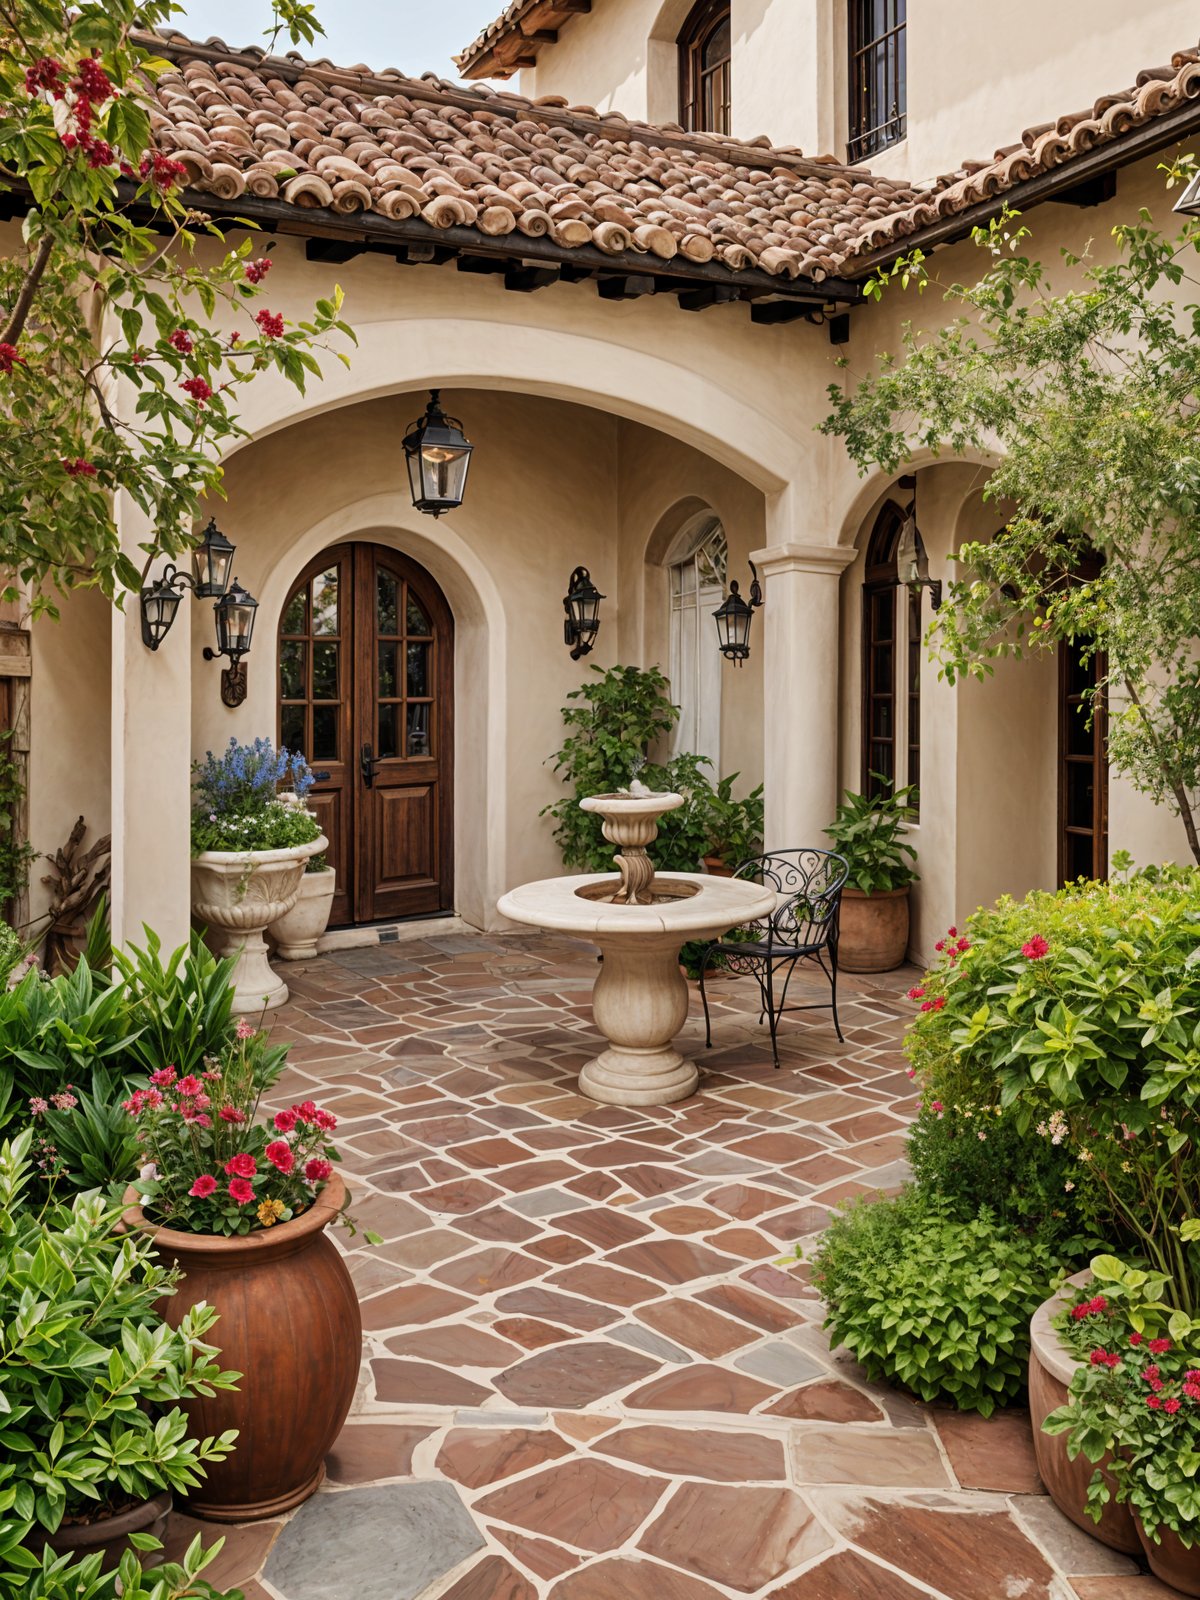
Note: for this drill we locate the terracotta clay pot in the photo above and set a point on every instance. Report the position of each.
(717, 867)
(296, 932)
(1170, 1561)
(873, 930)
(289, 1322)
(1050, 1371)
(110, 1535)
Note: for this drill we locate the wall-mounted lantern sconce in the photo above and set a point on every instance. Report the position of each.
(235, 612)
(438, 454)
(1188, 204)
(734, 617)
(582, 605)
(912, 559)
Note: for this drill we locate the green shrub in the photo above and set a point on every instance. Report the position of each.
(868, 832)
(12, 948)
(1076, 1013)
(937, 1305)
(90, 1373)
(62, 1578)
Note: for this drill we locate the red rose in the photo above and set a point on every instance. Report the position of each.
(325, 1120)
(243, 1165)
(204, 1185)
(317, 1170)
(240, 1191)
(285, 1121)
(306, 1111)
(279, 1154)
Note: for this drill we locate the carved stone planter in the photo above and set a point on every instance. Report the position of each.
(237, 895)
(296, 932)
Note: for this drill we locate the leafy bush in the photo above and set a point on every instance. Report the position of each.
(1077, 1012)
(12, 948)
(91, 1375)
(237, 803)
(62, 1578)
(735, 827)
(867, 830)
(935, 1304)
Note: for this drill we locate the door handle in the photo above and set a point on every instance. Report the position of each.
(366, 762)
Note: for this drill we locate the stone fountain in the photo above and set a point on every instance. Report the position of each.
(640, 922)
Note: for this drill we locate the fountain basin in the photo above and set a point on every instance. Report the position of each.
(640, 1000)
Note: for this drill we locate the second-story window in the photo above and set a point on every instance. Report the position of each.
(878, 72)
(705, 44)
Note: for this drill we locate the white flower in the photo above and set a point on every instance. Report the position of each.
(148, 1173)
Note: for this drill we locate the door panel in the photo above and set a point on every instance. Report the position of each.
(366, 675)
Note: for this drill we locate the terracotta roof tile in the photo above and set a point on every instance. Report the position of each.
(351, 140)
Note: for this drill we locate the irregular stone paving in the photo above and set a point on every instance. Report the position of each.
(593, 1364)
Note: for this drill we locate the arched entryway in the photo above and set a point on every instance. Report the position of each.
(366, 692)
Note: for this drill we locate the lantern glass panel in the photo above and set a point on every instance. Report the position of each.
(444, 472)
(159, 604)
(211, 561)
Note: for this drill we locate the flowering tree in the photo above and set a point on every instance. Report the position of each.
(112, 373)
(1088, 395)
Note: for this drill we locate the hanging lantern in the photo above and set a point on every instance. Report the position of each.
(912, 559)
(159, 603)
(437, 454)
(235, 622)
(733, 619)
(582, 606)
(211, 562)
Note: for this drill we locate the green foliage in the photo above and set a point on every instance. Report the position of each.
(91, 1376)
(869, 832)
(12, 949)
(108, 293)
(15, 853)
(318, 863)
(277, 826)
(1083, 393)
(938, 1305)
(1135, 1403)
(1079, 1014)
(62, 1578)
(735, 827)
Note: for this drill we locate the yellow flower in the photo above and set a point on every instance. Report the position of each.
(269, 1212)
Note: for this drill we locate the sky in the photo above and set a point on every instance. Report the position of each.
(413, 35)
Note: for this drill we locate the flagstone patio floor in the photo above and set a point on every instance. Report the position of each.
(593, 1365)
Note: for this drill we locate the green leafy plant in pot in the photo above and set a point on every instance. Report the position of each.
(735, 827)
(868, 831)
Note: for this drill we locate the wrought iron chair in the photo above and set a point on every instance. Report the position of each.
(803, 927)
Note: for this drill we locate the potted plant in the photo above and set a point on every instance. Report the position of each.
(1133, 1413)
(296, 932)
(868, 831)
(241, 1208)
(249, 849)
(93, 1439)
(735, 828)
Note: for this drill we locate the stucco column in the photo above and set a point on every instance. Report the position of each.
(800, 689)
(151, 764)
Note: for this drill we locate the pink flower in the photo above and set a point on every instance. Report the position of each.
(279, 1154)
(189, 1085)
(936, 1105)
(231, 1114)
(317, 1170)
(240, 1191)
(37, 1105)
(242, 1165)
(244, 1029)
(204, 1185)
(1034, 949)
(256, 271)
(285, 1121)
(164, 1077)
(62, 1101)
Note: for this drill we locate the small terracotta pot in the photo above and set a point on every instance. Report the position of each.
(110, 1535)
(289, 1322)
(717, 867)
(873, 930)
(1051, 1369)
(1170, 1561)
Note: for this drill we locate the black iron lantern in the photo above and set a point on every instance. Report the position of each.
(234, 613)
(160, 601)
(211, 562)
(582, 606)
(1188, 204)
(912, 559)
(437, 454)
(733, 619)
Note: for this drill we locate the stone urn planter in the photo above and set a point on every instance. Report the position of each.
(289, 1322)
(873, 929)
(107, 1534)
(237, 895)
(1170, 1561)
(296, 932)
(1051, 1368)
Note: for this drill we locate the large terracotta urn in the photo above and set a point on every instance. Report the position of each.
(296, 932)
(1051, 1368)
(236, 896)
(872, 929)
(1170, 1560)
(107, 1534)
(289, 1323)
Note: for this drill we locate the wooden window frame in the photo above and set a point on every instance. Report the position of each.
(877, 119)
(882, 578)
(696, 82)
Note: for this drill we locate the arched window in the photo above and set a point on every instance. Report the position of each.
(697, 563)
(891, 717)
(705, 45)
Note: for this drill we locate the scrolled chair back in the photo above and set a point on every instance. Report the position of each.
(810, 882)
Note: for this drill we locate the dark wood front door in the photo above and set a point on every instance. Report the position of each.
(366, 691)
(1082, 767)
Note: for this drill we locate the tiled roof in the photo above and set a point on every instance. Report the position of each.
(513, 40)
(350, 141)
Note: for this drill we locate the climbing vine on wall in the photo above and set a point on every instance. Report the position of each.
(15, 853)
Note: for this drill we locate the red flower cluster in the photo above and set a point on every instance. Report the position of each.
(935, 1004)
(199, 390)
(79, 468)
(271, 324)
(256, 271)
(45, 73)
(181, 340)
(279, 1154)
(1088, 1308)
(916, 993)
(9, 357)
(143, 1100)
(90, 87)
(1104, 1358)
(162, 172)
(1034, 949)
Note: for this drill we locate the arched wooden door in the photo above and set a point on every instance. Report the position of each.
(366, 692)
